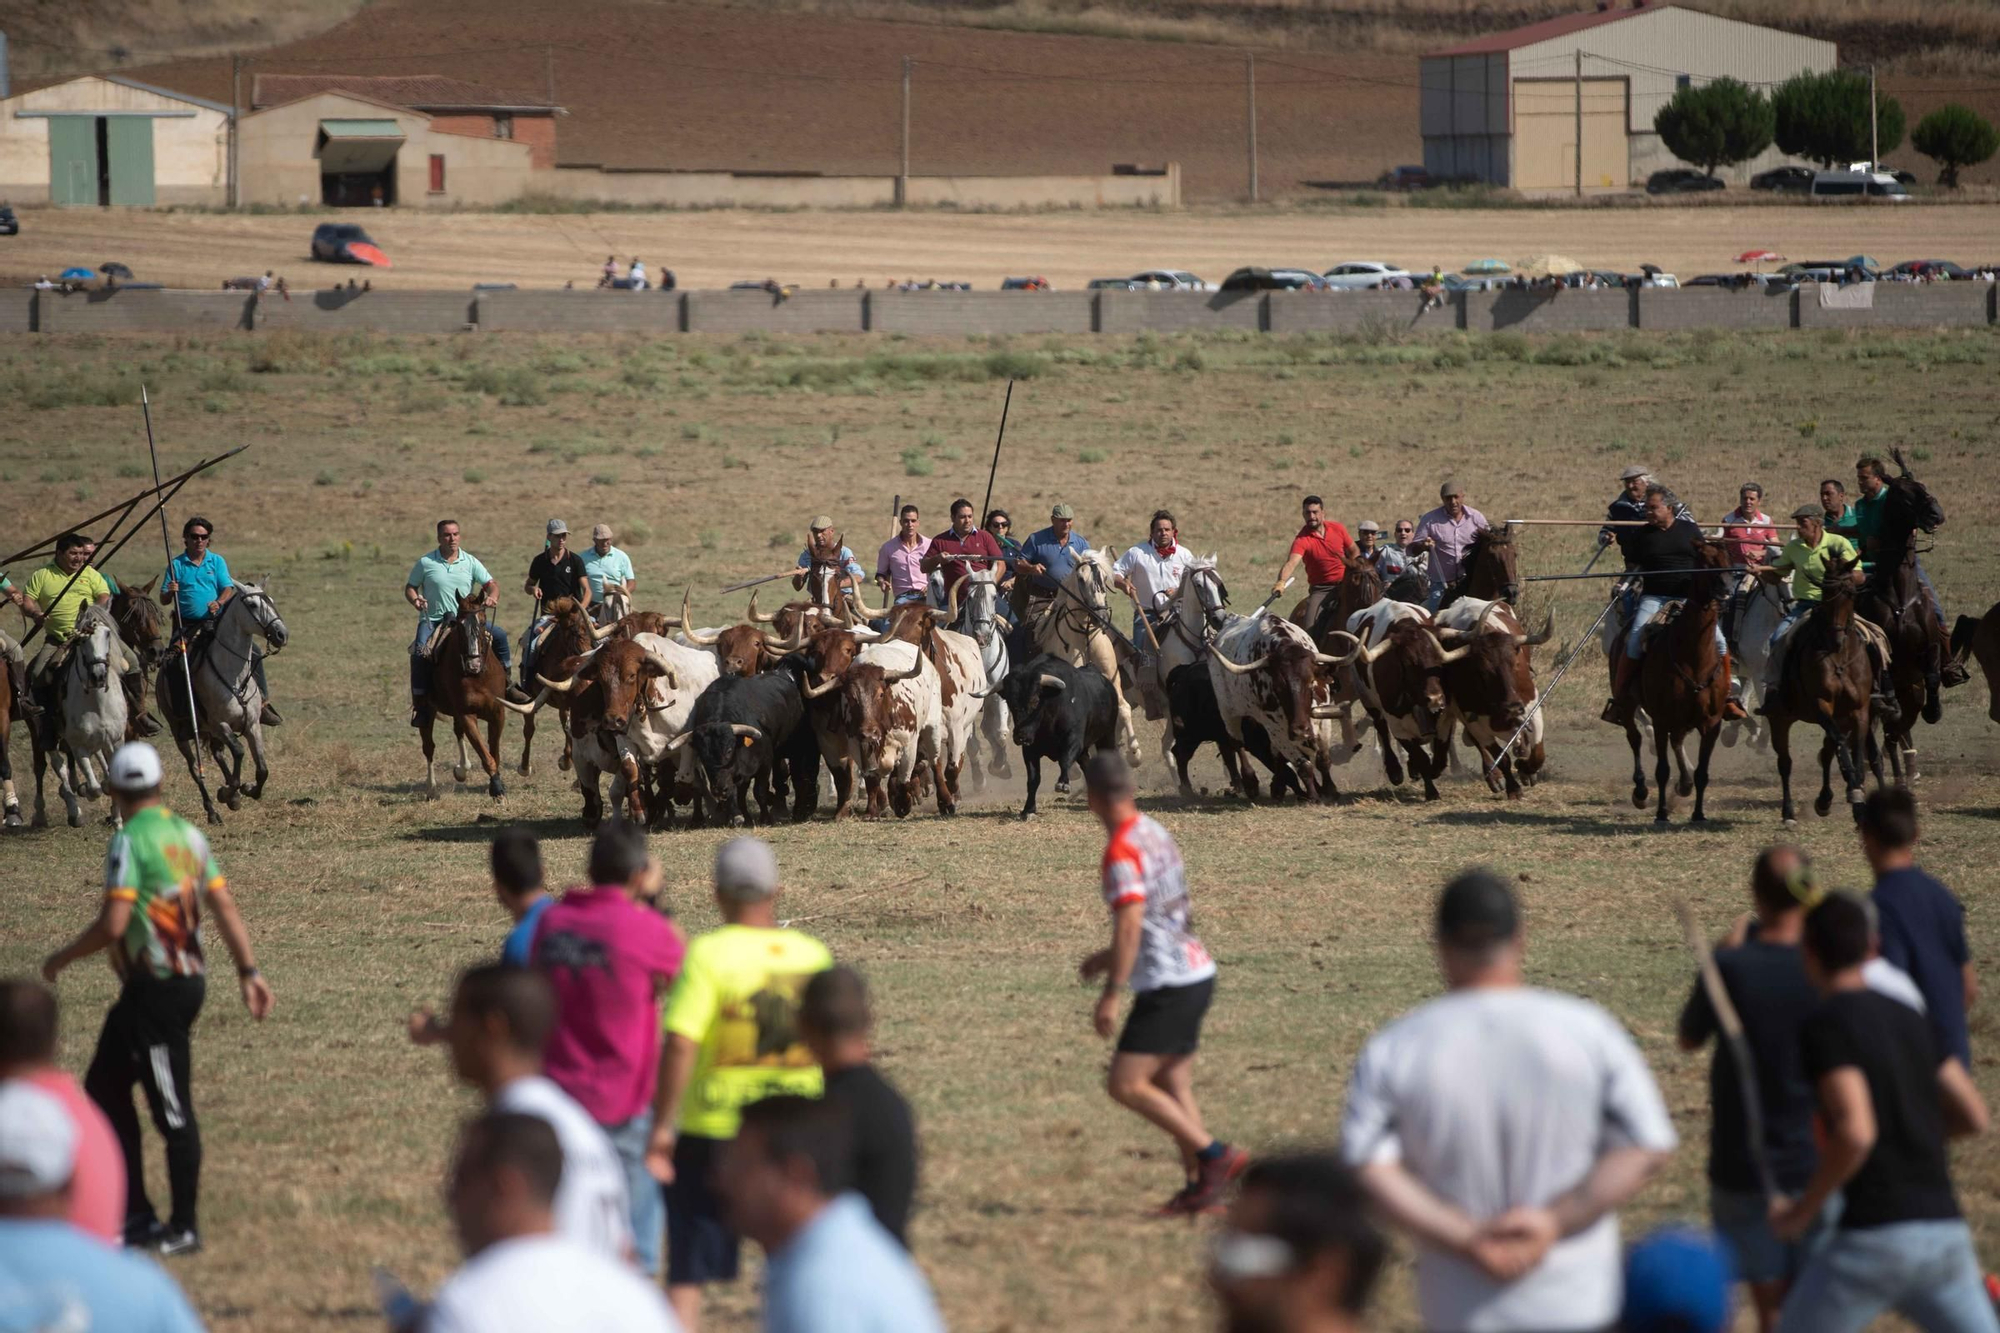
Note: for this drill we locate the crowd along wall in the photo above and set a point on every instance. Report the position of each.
(959, 314)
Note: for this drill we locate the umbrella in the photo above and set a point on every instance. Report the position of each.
(1650, 268)
(1486, 266)
(77, 275)
(1760, 257)
(114, 269)
(1546, 266)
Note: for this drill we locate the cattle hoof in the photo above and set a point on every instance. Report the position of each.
(1513, 793)
(460, 772)
(495, 787)
(1789, 822)
(233, 800)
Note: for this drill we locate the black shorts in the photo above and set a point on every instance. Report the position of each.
(1166, 1021)
(701, 1247)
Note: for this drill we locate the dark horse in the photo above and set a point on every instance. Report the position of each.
(1490, 570)
(1894, 599)
(1980, 640)
(570, 635)
(1684, 687)
(468, 685)
(1829, 680)
(137, 616)
(10, 804)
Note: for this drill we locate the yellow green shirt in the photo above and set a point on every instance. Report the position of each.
(46, 583)
(738, 995)
(1808, 563)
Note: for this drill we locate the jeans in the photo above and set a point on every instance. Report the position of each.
(420, 667)
(1743, 1220)
(1436, 596)
(1925, 579)
(1649, 606)
(649, 1205)
(1925, 1271)
(1774, 663)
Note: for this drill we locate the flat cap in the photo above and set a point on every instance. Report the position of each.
(821, 522)
(601, 533)
(1062, 510)
(1809, 511)
(1633, 472)
(1367, 525)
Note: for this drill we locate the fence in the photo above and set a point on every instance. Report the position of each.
(952, 314)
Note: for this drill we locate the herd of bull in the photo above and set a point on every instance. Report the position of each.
(708, 718)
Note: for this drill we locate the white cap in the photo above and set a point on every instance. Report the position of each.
(746, 870)
(37, 1141)
(135, 766)
(601, 533)
(558, 528)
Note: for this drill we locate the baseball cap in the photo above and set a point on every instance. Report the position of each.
(558, 528)
(821, 522)
(1808, 511)
(1368, 525)
(1477, 910)
(1677, 1279)
(1062, 511)
(1449, 489)
(135, 767)
(1633, 472)
(746, 870)
(37, 1141)
(601, 533)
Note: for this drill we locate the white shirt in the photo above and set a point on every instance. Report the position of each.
(1502, 1098)
(638, 272)
(1885, 978)
(1154, 576)
(592, 1207)
(533, 1284)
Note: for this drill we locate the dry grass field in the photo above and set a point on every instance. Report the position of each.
(715, 248)
(326, 1130)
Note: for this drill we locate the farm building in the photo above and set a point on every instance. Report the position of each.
(101, 140)
(1509, 108)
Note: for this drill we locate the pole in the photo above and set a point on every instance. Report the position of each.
(1250, 95)
(180, 630)
(985, 506)
(1608, 574)
(903, 175)
(1542, 696)
(1579, 122)
(1729, 1026)
(235, 120)
(1874, 126)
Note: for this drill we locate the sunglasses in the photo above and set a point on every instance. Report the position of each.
(197, 537)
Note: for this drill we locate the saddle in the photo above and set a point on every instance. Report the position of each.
(1662, 618)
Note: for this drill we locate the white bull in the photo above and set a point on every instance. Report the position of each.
(958, 659)
(1265, 670)
(650, 735)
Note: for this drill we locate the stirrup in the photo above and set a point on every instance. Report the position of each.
(1613, 713)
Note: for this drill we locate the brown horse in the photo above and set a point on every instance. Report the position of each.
(571, 635)
(1491, 571)
(1980, 640)
(137, 616)
(1683, 684)
(468, 685)
(10, 804)
(1829, 680)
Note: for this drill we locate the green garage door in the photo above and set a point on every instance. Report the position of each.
(73, 160)
(129, 140)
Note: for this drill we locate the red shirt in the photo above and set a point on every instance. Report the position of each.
(977, 542)
(97, 1189)
(1325, 555)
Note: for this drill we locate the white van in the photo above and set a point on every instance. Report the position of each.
(1857, 185)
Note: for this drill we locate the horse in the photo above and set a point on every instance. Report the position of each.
(10, 804)
(1893, 598)
(1980, 640)
(1763, 607)
(1491, 572)
(137, 617)
(1684, 687)
(1829, 679)
(570, 634)
(614, 606)
(1077, 629)
(93, 716)
(1360, 588)
(468, 685)
(977, 616)
(227, 701)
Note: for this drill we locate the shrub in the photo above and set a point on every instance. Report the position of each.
(635, 533)
(510, 386)
(474, 476)
(1716, 125)
(1091, 455)
(1955, 136)
(916, 463)
(325, 479)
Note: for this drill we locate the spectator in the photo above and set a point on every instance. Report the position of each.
(518, 884)
(829, 1267)
(28, 1053)
(1766, 982)
(635, 276)
(1922, 923)
(1677, 1280)
(1300, 1253)
(54, 1275)
(732, 1038)
(1502, 1126)
(610, 956)
(1889, 1094)
(520, 1275)
(500, 1020)
(610, 275)
(835, 1021)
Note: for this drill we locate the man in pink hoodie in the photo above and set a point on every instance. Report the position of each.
(28, 1052)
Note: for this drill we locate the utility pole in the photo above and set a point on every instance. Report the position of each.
(903, 175)
(1250, 92)
(549, 67)
(234, 188)
(1874, 136)
(1579, 122)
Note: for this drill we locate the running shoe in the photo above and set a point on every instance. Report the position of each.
(184, 1241)
(1216, 1174)
(143, 1233)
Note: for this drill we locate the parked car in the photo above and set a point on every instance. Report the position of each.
(1170, 279)
(1924, 268)
(1405, 178)
(1114, 285)
(345, 243)
(9, 224)
(1681, 180)
(1858, 185)
(1784, 180)
(1256, 279)
(1025, 285)
(1362, 275)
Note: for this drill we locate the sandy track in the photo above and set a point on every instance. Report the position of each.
(716, 248)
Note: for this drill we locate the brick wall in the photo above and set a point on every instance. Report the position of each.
(580, 312)
(386, 312)
(539, 133)
(759, 312)
(1713, 308)
(141, 312)
(1531, 311)
(958, 314)
(17, 310)
(1906, 305)
(1171, 312)
(1359, 312)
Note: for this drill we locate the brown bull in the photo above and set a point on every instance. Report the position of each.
(828, 655)
(601, 693)
(1403, 685)
(1491, 691)
(1980, 640)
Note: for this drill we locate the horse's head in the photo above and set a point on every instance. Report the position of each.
(471, 625)
(263, 612)
(977, 597)
(1716, 555)
(1211, 594)
(1494, 571)
(138, 618)
(96, 643)
(1091, 580)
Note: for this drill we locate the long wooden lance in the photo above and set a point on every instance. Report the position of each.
(180, 628)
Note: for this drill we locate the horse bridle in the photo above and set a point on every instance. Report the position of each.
(1210, 612)
(214, 640)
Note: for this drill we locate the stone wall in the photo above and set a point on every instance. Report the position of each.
(760, 312)
(1176, 312)
(385, 312)
(581, 312)
(1388, 313)
(1905, 305)
(1713, 308)
(1565, 311)
(960, 314)
(140, 312)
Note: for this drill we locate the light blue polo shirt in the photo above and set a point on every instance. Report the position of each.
(849, 566)
(53, 1275)
(442, 583)
(614, 566)
(199, 584)
(842, 1273)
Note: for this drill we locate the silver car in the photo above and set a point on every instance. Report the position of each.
(1362, 275)
(1169, 280)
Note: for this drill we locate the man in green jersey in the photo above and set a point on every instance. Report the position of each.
(156, 874)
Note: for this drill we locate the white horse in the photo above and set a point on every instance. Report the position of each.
(614, 607)
(93, 714)
(1763, 608)
(226, 696)
(1077, 629)
(977, 596)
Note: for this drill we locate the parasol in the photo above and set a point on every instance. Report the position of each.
(1485, 266)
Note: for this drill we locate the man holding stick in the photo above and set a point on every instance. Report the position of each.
(962, 539)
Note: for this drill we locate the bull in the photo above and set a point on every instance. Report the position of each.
(1492, 691)
(827, 655)
(888, 706)
(741, 732)
(606, 693)
(1060, 712)
(1266, 672)
(1403, 688)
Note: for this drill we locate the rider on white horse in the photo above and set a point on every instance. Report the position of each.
(198, 586)
(54, 596)
(1752, 539)
(1151, 574)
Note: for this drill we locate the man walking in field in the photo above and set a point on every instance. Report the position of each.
(157, 872)
(1172, 979)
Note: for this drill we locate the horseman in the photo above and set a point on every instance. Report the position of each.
(1750, 538)
(900, 563)
(16, 667)
(824, 551)
(1837, 513)
(609, 571)
(1397, 563)
(1447, 532)
(976, 546)
(1805, 558)
(1629, 508)
(1050, 557)
(437, 583)
(46, 602)
(1878, 557)
(1151, 574)
(197, 585)
(555, 572)
(1662, 553)
(1324, 548)
(999, 526)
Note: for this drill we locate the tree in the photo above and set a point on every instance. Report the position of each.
(1824, 118)
(1955, 136)
(1717, 125)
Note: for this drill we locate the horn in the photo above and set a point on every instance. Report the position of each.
(694, 636)
(1049, 682)
(1449, 655)
(979, 694)
(560, 686)
(745, 729)
(915, 670)
(868, 611)
(599, 633)
(846, 612)
(526, 710)
(680, 740)
(951, 598)
(680, 621)
(666, 669)
(751, 614)
(1491, 607)
(1231, 667)
(1547, 632)
(824, 688)
(1327, 659)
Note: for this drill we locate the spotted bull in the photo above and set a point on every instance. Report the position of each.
(1266, 672)
(606, 693)
(887, 702)
(1403, 687)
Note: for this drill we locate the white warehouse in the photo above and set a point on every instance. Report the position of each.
(1509, 108)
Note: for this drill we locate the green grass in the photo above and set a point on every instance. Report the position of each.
(325, 1130)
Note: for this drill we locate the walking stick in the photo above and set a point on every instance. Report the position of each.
(180, 629)
(1730, 1026)
(985, 506)
(1543, 695)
